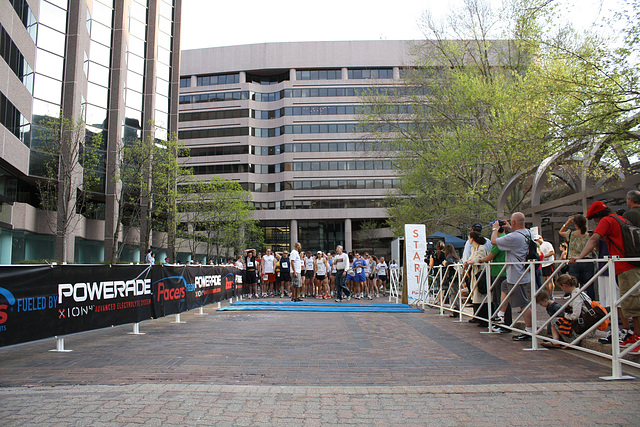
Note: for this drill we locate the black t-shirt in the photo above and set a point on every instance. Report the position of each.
(285, 265)
(250, 263)
(438, 258)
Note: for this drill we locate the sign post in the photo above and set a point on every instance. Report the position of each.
(415, 239)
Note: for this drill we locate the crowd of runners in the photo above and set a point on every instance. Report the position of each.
(299, 274)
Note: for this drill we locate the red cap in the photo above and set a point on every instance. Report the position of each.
(597, 206)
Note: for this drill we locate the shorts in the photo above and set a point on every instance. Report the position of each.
(321, 278)
(564, 326)
(250, 277)
(269, 277)
(309, 274)
(383, 278)
(626, 280)
(285, 276)
(521, 296)
(296, 282)
(547, 271)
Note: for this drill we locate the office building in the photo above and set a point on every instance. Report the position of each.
(281, 118)
(114, 66)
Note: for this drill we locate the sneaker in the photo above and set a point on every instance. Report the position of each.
(349, 298)
(622, 335)
(497, 329)
(498, 320)
(338, 300)
(629, 339)
(521, 337)
(369, 297)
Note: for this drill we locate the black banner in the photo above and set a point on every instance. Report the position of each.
(181, 288)
(39, 302)
(44, 301)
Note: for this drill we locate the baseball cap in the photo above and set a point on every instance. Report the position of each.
(319, 252)
(597, 206)
(536, 236)
(476, 225)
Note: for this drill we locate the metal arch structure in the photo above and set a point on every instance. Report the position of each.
(585, 189)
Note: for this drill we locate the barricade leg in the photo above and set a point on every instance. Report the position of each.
(178, 319)
(616, 365)
(532, 307)
(60, 345)
(136, 330)
(201, 312)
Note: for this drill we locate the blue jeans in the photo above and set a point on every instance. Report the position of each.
(341, 280)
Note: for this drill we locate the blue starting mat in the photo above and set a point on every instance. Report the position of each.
(319, 306)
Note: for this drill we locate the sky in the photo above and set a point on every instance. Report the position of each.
(213, 23)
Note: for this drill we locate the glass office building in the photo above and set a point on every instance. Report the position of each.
(281, 118)
(114, 66)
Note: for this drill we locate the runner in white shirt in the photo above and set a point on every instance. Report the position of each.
(296, 272)
(309, 275)
(268, 265)
(322, 268)
(382, 276)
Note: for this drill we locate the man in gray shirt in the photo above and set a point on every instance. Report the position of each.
(341, 261)
(633, 203)
(516, 246)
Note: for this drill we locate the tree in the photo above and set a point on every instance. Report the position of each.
(493, 94)
(217, 214)
(68, 163)
(468, 129)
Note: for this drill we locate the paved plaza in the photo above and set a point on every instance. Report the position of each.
(307, 368)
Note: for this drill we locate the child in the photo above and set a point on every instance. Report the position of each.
(562, 326)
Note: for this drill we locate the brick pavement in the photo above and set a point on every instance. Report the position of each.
(261, 368)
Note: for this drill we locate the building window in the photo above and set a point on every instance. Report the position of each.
(375, 73)
(217, 79)
(185, 81)
(335, 74)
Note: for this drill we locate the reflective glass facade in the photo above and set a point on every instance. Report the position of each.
(118, 73)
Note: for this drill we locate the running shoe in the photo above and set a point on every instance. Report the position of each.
(338, 300)
(521, 337)
(629, 339)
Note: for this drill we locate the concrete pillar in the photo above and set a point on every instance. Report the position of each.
(396, 73)
(292, 74)
(293, 231)
(243, 77)
(345, 73)
(348, 236)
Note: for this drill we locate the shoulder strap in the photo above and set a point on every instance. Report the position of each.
(611, 240)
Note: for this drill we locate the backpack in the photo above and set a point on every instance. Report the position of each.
(630, 240)
(532, 248)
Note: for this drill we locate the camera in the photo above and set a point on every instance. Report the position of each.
(501, 223)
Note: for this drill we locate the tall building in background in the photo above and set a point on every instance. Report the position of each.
(113, 65)
(281, 118)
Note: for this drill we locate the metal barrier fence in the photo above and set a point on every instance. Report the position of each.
(395, 283)
(443, 287)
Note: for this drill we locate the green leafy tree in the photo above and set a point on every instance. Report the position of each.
(218, 216)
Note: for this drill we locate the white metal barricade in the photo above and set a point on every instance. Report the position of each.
(442, 288)
(395, 283)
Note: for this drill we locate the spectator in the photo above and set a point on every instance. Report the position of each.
(627, 275)
(576, 240)
(548, 254)
(450, 281)
(516, 247)
(633, 203)
(150, 259)
(558, 327)
(466, 253)
(498, 275)
(478, 252)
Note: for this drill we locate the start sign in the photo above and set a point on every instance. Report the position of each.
(415, 239)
